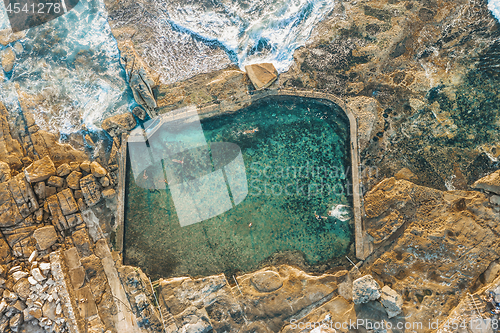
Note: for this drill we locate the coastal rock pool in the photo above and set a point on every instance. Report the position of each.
(297, 164)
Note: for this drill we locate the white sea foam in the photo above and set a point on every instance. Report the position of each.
(74, 62)
(341, 212)
(255, 30)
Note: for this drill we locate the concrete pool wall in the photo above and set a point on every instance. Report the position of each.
(363, 245)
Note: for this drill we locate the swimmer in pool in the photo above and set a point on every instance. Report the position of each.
(319, 217)
(144, 175)
(256, 129)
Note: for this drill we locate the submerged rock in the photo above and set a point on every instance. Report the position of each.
(8, 58)
(139, 76)
(262, 75)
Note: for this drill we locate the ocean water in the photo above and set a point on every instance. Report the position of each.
(72, 62)
(72, 65)
(296, 155)
(252, 30)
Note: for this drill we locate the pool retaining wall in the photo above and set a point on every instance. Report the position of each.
(364, 246)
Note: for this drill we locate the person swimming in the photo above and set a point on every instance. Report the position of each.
(319, 217)
(256, 129)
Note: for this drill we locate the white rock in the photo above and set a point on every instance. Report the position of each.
(3, 306)
(45, 267)
(37, 274)
(32, 280)
(391, 301)
(33, 256)
(27, 315)
(14, 269)
(30, 302)
(58, 309)
(365, 289)
(19, 275)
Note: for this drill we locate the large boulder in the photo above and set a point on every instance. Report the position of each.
(5, 253)
(45, 237)
(9, 213)
(391, 301)
(67, 202)
(262, 75)
(55, 181)
(139, 76)
(4, 172)
(489, 183)
(90, 190)
(58, 218)
(63, 170)
(97, 170)
(122, 123)
(73, 180)
(40, 170)
(365, 289)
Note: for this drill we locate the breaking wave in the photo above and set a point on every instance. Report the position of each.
(252, 30)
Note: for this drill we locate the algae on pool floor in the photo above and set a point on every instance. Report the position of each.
(297, 158)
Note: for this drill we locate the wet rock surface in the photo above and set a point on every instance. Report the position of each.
(413, 68)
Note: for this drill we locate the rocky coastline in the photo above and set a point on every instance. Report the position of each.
(420, 77)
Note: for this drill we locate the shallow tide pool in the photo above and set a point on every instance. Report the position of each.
(296, 155)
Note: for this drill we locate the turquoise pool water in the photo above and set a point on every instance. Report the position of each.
(296, 155)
